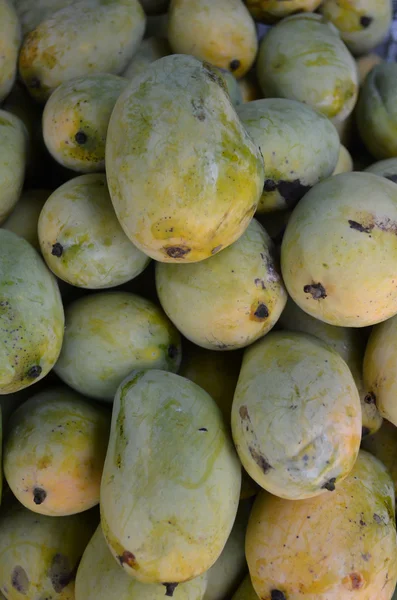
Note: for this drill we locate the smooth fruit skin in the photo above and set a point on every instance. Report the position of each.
(339, 250)
(221, 32)
(10, 39)
(13, 158)
(183, 174)
(385, 168)
(168, 501)
(383, 445)
(24, 218)
(296, 416)
(345, 161)
(55, 451)
(334, 547)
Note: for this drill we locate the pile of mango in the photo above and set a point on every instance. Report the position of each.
(198, 300)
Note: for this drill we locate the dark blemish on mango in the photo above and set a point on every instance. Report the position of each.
(213, 75)
(362, 523)
(392, 177)
(365, 431)
(260, 283)
(172, 351)
(203, 429)
(57, 250)
(277, 595)
(177, 251)
(198, 109)
(244, 413)
(366, 556)
(170, 589)
(292, 191)
(61, 573)
(216, 249)
(260, 460)
(359, 227)
(262, 312)
(365, 21)
(81, 137)
(20, 580)
(269, 185)
(234, 64)
(378, 519)
(34, 372)
(39, 495)
(355, 581)
(317, 291)
(370, 398)
(329, 485)
(127, 558)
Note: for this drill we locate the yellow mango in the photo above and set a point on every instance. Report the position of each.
(345, 161)
(24, 218)
(171, 481)
(383, 445)
(10, 39)
(13, 158)
(245, 590)
(151, 49)
(271, 11)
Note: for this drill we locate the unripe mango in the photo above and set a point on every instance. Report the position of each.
(32, 12)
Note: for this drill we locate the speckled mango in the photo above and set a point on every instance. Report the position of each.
(185, 186)
(345, 161)
(366, 63)
(245, 590)
(25, 216)
(296, 416)
(231, 299)
(221, 32)
(100, 578)
(271, 11)
(13, 157)
(339, 250)
(168, 502)
(151, 49)
(109, 334)
(313, 67)
(299, 147)
(10, 39)
(349, 343)
(32, 12)
(334, 547)
(363, 24)
(385, 168)
(76, 119)
(39, 554)
(31, 315)
(383, 445)
(85, 38)
(376, 113)
(54, 452)
(81, 239)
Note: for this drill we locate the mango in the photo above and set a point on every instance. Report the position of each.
(13, 157)
(366, 63)
(296, 416)
(39, 554)
(313, 67)
(81, 239)
(299, 147)
(333, 547)
(31, 315)
(345, 161)
(10, 39)
(54, 452)
(100, 578)
(221, 32)
(32, 12)
(349, 343)
(385, 168)
(151, 49)
(245, 591)
(271, 11)
(109, 334)
(185, 186)
(339, 250)
(231, 299)
(24, 218)
(168, 502)
(85, 38)
(232, 86)
(383, 445)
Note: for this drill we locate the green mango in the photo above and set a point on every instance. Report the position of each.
(85, 38)
(10, 39)
(13, 157)
(100, 578)
(25, 216)
(245, 590)
(109, 334)
(383, 445)
(233, 298)
(151, 49)
(299, 147)
(32, 12)
(81, 239)
(171, 481)
(385, 168)
(39, 554)
(31, 315)
(186, 185)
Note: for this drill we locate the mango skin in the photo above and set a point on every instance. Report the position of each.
(55, 451)
(109, 334)
(39, 554)
(232, 86)
(32, 12)
(205, 203)
(366, 63)
(100, 578)
(314, 67)
(13, 157)
(299, 147)
(353, 531)
(271, 11)
(345, 161)
(222, 33)
(93, 36)
(385, 168)
(93, 251)
(10, 39)
(245, 591)
(24, 218)
(150, 49)
(31, 315)
(339, 250)
(76, 118)
(168, 503)
(383, 445)
(228, 301)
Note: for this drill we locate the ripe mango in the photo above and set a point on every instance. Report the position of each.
(339, 250)
(299, 147)
(385, 168)
(100, 578)
(13, 157)
(81, 239)
(10, 39)
(151, 49)
(171, 481)
(271, 11)
(109, 334)
(31, 315)
(88, 37)
(24, 218)
(32, 12)
(245, 590)
(185, 186)
(383, 445)
(221, 32)
(345, 161)
(334, 547)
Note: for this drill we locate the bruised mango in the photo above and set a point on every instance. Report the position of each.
(339, 250)
(231, 299)
(81, 239)
(31, 315)
(220, 32)
(333, 547)
(151, 49)
(185, 186)
(383, 445)
(299, 147)
(10, 39)
(385, 168)
(109, 334)
(100, 578)
(171, 481)
(85, 38)
(245, 591)
(32, 12)
(345, 161)
(13, 157)
(24, 218)
(271, 11)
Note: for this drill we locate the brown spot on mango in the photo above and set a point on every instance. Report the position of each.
(353, 581)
